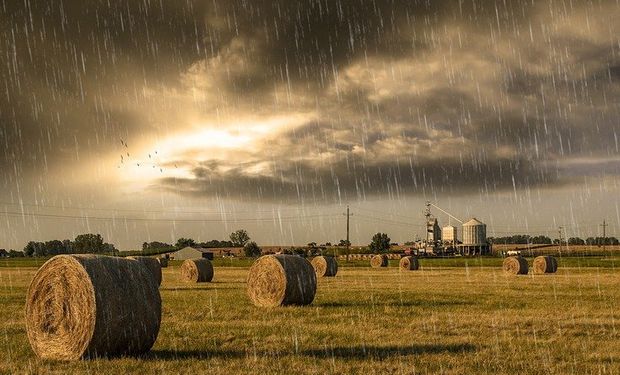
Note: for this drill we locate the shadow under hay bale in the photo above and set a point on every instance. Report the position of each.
(152, 265)
(325, 266)
(85, 306)
(378, 261)
(197, 271)
(279, 280)
(409, 263)
(515, 265)
(544, 264)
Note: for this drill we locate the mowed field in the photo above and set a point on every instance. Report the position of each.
(457, 320)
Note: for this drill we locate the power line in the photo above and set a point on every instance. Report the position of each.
(264, 219)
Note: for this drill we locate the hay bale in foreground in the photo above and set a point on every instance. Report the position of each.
(544, 264)
(409, 263)
(163, 262)
(279, 280)
(197, 270)
(152, 265)
(84, 306)
(378, 261)
(325, 266)
(515, 265)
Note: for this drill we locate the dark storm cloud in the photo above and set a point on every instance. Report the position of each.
(474, 97)
(353, 179)
(308, 41)
(65, 65)
(409, 96)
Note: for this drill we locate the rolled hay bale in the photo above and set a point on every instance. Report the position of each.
(152, 265)
(409, 263)
(197, 270)
(544, 264)
(515, 266)
(163, 262)
(280, 280)
(85, 306)
(379, 261)
(325, 266)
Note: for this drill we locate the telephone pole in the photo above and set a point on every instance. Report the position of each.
(604, 225)
(560, 240)
(348, 214)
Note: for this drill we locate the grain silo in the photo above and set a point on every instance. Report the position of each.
(448, 234)
(474, 238)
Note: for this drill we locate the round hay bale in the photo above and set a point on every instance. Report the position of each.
(152, 265)
(85, 306)
(379, 261)
(515, 266)
(544, 264)
(409, 263)
(163, 262)
(197, 270)
(279, 280)
(325, 266)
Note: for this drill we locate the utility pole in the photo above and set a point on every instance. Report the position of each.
(560, 240)
(348, 214)
(604, 225)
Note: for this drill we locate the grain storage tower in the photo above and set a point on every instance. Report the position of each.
(474, 238)
(448, 234)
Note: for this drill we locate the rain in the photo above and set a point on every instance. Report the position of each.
(317, 127)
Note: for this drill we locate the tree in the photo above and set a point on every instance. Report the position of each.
(54, 247)
(344, 243)
(239, 237)
(252, 250)
(216, 243)
(16, 254)
(380, 243)
(34, 249)
(89, 243)
(185, 242)
(541, 240)
(576, 241)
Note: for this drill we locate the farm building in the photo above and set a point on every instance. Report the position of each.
(201, 252)
(192, 253)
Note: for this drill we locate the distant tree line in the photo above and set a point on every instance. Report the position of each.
(11, 253)
(83, 244)
(522, 239)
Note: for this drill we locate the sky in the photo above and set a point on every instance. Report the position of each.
(153, 120)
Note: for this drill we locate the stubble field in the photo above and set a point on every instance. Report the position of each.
(436, 320)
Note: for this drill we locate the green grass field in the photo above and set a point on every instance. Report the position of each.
(440, 319)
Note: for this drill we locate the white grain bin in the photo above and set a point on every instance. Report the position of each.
(474, 233)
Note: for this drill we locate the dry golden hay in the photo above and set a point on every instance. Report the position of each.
(544, 264)
(85, 306)
(197, 270)
(279, 280)
(409, 263)
(379, 261)
(515, 265)
(163, 262)
(325, 266)
(152, 265)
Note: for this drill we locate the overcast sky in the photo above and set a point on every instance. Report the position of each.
(162, 119)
